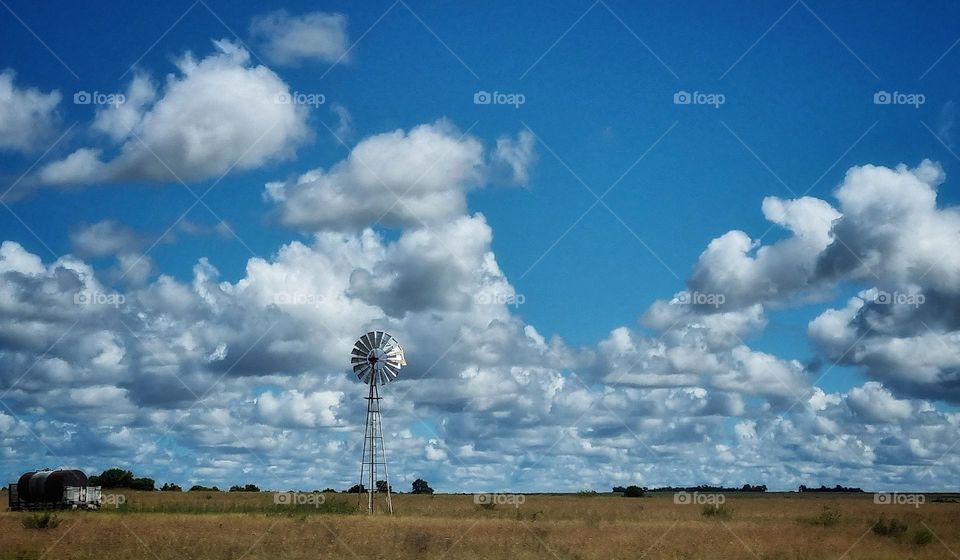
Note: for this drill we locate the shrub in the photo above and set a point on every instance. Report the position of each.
(633, 492)
(922, 537)
(43, 520)
(889, 528)
(828, 517)
(586, 493)
(720, 511)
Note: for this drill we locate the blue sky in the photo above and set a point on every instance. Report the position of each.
(797, 82)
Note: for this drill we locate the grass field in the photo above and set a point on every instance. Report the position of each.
(250, 526)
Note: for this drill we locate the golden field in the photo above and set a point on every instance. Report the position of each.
(201, 525)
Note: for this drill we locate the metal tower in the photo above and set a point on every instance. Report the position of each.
(376, 359)
(374, 453)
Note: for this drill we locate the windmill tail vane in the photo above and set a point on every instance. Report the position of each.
(376, 360)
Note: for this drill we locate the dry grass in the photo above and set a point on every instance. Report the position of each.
(774, 526)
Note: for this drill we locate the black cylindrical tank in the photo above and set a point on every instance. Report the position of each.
(47, 486)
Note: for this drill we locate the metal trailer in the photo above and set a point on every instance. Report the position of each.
(74, 497)
(59, 489)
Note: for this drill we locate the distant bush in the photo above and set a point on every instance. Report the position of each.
(356, 489)
(634, 492)
(586, 493)
(836, 488)
(719, 511)
(43, 520)
(199, 488)
(170, 487)
(329, 491)
(245, 488)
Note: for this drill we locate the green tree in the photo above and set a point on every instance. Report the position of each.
(634, 492)
(112, 478)
(143, 483)
(420, 486)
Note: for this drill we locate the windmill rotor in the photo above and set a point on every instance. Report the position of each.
(377, 357)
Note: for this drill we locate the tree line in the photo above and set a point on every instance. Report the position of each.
(120, 478)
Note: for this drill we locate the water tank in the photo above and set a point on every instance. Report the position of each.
(47, 486)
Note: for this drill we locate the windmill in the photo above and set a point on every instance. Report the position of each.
(376, 359)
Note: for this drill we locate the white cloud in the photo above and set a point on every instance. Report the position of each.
(221, 113)
(106, 237)
(745, 273)
(28, 117)
(876, 404)
(289, 40)
(118, 121)
(295, 409)
(515, 157)
(399, 179)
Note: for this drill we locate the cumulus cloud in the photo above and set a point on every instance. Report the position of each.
(745, 273)
(893, 236)
(292, 39)
(876, 404)
(28, 117)
(396, 178)
(220, 113)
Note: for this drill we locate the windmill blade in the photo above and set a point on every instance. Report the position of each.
(367, 341)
